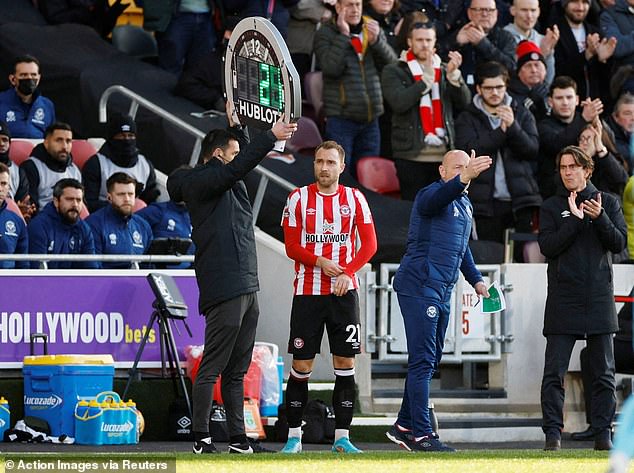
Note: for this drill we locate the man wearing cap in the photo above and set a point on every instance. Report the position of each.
(581, 52)
(528, 84)
(525, 15)
(118, 154)
(22, 107)
(18, 182)
(50, 161)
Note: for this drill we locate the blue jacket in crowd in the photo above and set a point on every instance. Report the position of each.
(50, 234)
(169, 220)
(119, 235)
(437, 243)
(13, 237)
(26, 120)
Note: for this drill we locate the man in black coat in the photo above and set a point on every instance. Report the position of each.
(506, 195)
(579, 228)
(226, 271)
(562, 128)
(580, 52)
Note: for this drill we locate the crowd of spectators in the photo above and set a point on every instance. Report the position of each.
(405, 80)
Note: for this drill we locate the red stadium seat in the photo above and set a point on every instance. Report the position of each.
(84, 212)
(11, 205)
(379, 175)
(306, 138)
(20, 150)
(313, 87)
(138, 204)
(82, 151)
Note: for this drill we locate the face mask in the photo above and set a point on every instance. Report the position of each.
(27, 86)
(124, 149)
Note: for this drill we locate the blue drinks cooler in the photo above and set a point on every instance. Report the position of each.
(106, 420)
(53, 384)
(5, 417)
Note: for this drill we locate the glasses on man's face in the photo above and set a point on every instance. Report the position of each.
(482, 11)
(492, 88)
(585, 138)
(569, 167)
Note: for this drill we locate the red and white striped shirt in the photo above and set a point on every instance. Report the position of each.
(317, 224)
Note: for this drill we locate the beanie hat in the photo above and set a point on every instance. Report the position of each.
(4, 129)
(528, 51)
(121, 124)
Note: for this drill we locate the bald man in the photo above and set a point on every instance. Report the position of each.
(437, 246)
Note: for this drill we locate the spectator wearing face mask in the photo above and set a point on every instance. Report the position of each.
(118, 154)
(27, 113)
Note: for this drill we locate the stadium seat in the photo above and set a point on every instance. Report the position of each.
(313, 88)
(134, 41)
(379, 175)
(84, 212)
(11, 205)
(138, 205)
(82, 151)
(20, 150)
(306, 138)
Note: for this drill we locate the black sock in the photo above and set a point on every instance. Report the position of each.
(343, 399)
(241, 439)
(296, 398)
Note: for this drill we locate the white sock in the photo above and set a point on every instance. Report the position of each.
(341, 433)
(295, 432)
(618, 462)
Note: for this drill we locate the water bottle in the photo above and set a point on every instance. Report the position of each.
(5, 416)
(135, 419)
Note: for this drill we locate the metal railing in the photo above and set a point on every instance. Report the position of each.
(134, 260)
(137, 100)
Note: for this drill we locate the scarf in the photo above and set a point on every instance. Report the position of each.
(430, 105)
(360, 41)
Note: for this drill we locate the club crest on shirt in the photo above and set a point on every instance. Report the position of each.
(329, 227)
(344, 210)
(10, 116)
(113, 238)
(431, 311)
(171, 224)
(298, 343)
(10, 229)
(137, 239)
(38, 116)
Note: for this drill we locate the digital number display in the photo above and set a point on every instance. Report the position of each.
(260, 83)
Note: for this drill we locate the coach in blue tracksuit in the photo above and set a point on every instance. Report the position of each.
(27, 112)
(13, 236)
(169, 220)
(437, 247)
(57, 229)
(117, 230)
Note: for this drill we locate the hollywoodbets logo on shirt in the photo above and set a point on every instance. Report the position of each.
(327, 236)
